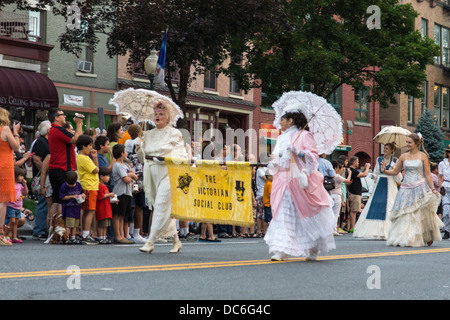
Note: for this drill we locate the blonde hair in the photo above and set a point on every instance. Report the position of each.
(4, 117)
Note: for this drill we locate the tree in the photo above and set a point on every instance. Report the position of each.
(327, 43)
(200, 33)
(432, 136)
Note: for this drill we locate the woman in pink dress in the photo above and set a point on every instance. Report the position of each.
(303, 221)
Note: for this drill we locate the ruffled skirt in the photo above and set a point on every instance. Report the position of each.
(295, 236)
(414, 221)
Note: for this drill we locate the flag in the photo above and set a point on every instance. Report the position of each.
(159, 72)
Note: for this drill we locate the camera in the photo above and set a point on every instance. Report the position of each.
(16, 114)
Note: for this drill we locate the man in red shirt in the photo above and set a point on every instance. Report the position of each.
(62, 153)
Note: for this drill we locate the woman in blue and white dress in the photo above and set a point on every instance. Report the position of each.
(374, 221)
(414, 222)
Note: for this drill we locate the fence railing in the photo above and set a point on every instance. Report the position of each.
(19, 26)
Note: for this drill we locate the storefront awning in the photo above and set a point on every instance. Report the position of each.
(26, 89)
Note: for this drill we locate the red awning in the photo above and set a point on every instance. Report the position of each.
(26, 89)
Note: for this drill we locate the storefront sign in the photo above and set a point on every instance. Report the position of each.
(24, 103)
(73, 100)
(267, 130)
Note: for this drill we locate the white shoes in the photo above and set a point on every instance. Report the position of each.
(139, 239)
(176, 246)
(313, 254)
(148, 247)
(279, 256)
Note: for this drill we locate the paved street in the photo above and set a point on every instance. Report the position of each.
(238, 269)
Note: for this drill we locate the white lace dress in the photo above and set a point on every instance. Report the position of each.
(414, 221)
(289, 232)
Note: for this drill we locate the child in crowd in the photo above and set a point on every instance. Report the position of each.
(13, 209)
(103, 210)
(87, 167)
(71, 195)
(102, 147)
(123, 178)
(266, 199)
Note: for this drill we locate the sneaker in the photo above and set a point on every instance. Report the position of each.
(139, 239)
(105, 241)
(40, 237)
(76, 241)
(16, 240)
(88, 240)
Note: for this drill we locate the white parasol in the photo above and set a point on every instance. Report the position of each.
(323, 120)
(140, 103)
(392, 134)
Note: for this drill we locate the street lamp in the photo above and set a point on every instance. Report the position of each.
(150, 66)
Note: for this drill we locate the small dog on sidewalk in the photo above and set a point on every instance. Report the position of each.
(57, 231)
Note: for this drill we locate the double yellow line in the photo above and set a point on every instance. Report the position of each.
(203, 265)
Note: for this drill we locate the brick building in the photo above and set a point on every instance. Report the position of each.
(433, 21)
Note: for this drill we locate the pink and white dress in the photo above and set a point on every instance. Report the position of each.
(303, 219)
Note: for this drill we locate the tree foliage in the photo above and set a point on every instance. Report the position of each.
(327, 43)
(200, 33)
(278, 44)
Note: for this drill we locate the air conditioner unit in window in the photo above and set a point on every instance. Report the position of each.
(85, 66)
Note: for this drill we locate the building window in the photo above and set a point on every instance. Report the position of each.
(424, 100)
(424, 28)
(34, 25)
(441, 106)
(437, 104)
(445, 107)
(410, 109)
(210, 78)
(441, 38)
(361, 106)
(336, 100)
(234, 87)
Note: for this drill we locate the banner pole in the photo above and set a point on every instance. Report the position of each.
(220, 162)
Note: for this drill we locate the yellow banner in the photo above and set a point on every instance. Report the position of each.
(207, 193)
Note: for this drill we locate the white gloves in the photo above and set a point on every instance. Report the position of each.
(303, 181)
(294, 150)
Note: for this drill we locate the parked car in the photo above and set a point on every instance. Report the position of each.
(367, 188)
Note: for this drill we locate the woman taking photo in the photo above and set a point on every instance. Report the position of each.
(303, 222)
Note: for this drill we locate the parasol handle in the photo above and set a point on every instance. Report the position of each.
(145, 115)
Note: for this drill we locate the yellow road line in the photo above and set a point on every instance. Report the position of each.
(203, 265)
